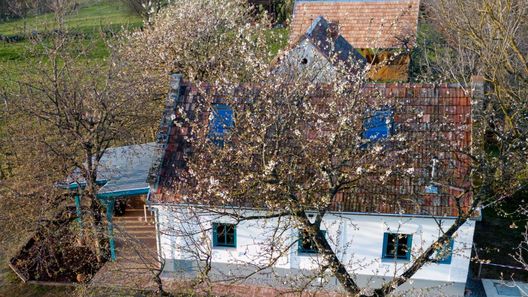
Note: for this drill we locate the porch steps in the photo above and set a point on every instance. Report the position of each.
(131, 227)
(136, 250)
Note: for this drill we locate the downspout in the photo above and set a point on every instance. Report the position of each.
(158, 236)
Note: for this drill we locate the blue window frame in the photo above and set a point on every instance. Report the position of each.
(444, 254)
(221, 122)
(397, 246)
(224, 235)
(431, 189)
(306, 243)
(378, 125)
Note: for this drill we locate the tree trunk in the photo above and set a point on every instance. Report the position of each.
(336, 266)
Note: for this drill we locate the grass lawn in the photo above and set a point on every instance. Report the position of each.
(89, 17)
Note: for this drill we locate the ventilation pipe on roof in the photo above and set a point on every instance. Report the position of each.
(333, 30)
(434, 168)
(432, 188)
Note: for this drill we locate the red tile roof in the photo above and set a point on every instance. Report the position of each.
(363, 23)
(437, 115)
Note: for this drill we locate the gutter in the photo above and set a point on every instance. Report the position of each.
(154, 204)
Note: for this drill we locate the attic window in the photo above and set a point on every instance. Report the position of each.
(220, 123)
(378, 125)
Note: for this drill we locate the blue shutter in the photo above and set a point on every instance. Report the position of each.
(385, 241)
(446, 259)
(234, 235)
(215, 235)
(409, 246)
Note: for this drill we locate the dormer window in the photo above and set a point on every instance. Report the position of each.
(221, 121)
(378, 125)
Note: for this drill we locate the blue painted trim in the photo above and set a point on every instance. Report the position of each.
(409, 246)
(109, 217)
(446, 259)
(300, 248)
(78, 210)
(378, 124)
(215, 235)
(384, 247)
(82, 185)
(124, 193)
(391, 258)
(431, 189)
(221, 122)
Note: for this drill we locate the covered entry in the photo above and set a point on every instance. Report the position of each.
(122, 176)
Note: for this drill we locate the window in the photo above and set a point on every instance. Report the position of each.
(224, 235)
(443, 254)
(378, 125)
(220, 123)
(431, 189)
(306, 243)
(397, 246)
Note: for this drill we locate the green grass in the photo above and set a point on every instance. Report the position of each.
(88, 18)
(91, 18)
(277, 39)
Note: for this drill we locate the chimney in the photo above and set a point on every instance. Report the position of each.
(333, 30)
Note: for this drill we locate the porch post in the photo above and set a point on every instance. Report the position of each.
(109, 214)
(78, 209)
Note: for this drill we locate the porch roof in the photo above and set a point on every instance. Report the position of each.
(122, 171)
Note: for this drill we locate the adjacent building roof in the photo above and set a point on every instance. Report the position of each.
(438, 115)
(364, 23)
(321, 49)
(330, 43)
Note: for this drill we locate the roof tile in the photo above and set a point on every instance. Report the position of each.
(365, 24)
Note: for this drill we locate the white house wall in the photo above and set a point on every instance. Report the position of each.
(357, 240)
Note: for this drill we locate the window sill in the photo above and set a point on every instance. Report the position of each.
(392, 260)
(305, 254)
(224, 247)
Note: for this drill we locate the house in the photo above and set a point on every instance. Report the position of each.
(376, 231)
(321, 52)
(384, 31)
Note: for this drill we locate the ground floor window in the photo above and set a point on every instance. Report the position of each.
(224, 235)
(397, 246)
(306, 243)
